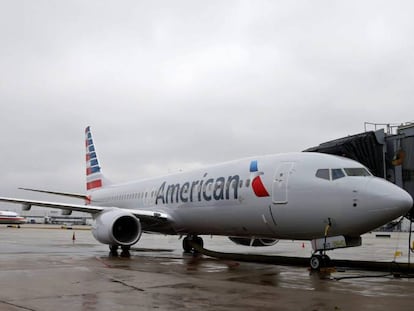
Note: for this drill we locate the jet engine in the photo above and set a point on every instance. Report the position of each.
(253, 241)
(117, 227)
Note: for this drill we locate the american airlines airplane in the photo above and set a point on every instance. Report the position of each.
(256, 201)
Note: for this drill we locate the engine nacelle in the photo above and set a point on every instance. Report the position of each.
(253, 241)
(66, 212)
(116, 227)
(26, 207)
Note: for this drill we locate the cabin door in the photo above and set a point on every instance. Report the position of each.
(280, 183)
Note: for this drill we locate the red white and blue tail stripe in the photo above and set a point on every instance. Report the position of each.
(94, 177)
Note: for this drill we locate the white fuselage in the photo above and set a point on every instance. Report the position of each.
(276, 196)
(11, 218)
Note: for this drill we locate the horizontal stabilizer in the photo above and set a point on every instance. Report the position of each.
(65, 194)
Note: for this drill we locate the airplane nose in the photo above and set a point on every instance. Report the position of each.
(401, 200)
(390, 196)
(405, 201)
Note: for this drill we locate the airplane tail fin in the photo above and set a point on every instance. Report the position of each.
(94, 177)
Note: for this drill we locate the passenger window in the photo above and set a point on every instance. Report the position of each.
(323, 173)
(337, 173)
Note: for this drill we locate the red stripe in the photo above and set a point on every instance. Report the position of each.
(94, 184)
(11, 218)
(88, 171)
(258, 187)
(88, 157)
(88, 200)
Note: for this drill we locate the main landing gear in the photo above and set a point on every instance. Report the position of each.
(187, 245)
(113, 251)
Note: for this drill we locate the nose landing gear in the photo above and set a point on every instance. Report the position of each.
(319, 261)
(322, 260)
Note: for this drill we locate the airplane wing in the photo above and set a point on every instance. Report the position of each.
(148, 217)
(66, 194)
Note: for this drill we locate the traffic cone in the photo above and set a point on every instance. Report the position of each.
(73, 238)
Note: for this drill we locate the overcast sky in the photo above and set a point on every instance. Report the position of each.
(170, 85)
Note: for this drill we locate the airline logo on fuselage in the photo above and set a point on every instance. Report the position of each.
(209, 188)
(204, 189)
(259, 188)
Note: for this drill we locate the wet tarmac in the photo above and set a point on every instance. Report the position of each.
(45, 269)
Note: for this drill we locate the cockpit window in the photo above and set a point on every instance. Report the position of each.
(337, 173)
(323, 173)
(357, 171)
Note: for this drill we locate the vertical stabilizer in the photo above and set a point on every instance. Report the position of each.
(94, 176)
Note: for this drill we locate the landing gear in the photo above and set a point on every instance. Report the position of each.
(322, 260)
(125, 251)
(319, 261)
(113, 251)
(187, 245)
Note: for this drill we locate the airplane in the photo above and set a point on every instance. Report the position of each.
(11, 218)
(256, 201)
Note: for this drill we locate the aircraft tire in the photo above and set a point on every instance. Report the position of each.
(186, 245)
(326, 261)
(125, 252)
(319, 261)
(199, 241)
(113, 250)
(316, 262)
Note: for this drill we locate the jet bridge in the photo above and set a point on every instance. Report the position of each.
(388, 152)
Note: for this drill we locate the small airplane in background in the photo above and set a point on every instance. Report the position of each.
(328, 200)
(11, 218)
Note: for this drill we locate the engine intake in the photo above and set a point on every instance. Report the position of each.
(116, 227)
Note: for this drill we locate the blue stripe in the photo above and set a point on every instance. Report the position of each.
(253, 166)
(92, 155)
(91, 148)
(95, 169)
(89, 135)
(90, 142)
(94, 162)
